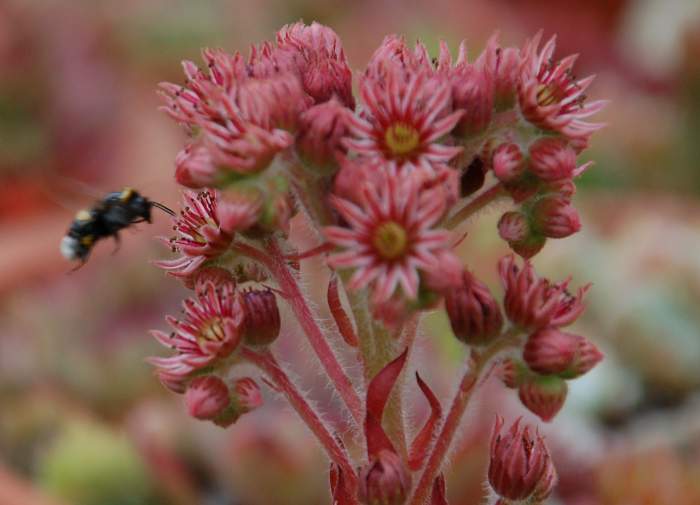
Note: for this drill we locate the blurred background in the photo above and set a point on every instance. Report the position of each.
(82, 419)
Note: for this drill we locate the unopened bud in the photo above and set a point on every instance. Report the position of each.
(550, 351)
(385, 481)
(553, 216)
(514, 228)
(238, 210)
(512, 372)
(208, 275)
(542, 395)
(206, 397)
(472, 92)
(586, 357)
(508, 163)
(520, 466)
(506, 78)
(245, 396)
(552, 159)
(194, 167)
(321, 130)
(474, 314)
(262, 317)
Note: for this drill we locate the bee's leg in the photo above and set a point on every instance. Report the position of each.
(117, 243)
(78, 266)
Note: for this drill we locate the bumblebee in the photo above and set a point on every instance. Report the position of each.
(116, 211)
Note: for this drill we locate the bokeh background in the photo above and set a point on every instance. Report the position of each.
(82, 419)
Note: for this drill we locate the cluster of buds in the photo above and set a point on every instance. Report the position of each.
(383, 180)
(550, 356)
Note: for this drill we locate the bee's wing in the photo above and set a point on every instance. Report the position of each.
(69, 193)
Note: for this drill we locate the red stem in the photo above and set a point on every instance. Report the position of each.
(275, 262)
(454, 416)
(475, 205)
(269, 365)
(442, 444)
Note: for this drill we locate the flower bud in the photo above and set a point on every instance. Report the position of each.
(555, 217)
(512, 373)
(506, 78)
(474, 314)
(514, 228)
(587, 356)
(385, 481)
(194, 167)
(552, 158)
(472, 92)
(262, 317)
(544, 396)
(238, 210)
(550, 351)
(206, 397)
(205, 275)
(245, 397)
(508, 163)
(321, 130)
(533, 302)
(520, 466)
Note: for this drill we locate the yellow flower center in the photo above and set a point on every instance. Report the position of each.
(390, 240)
(548, 95)
(401, 138)
(213, 331)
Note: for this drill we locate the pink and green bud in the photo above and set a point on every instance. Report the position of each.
(514, 228)
(262, 317)
(508, 163)
(520, 466)
(542, 395)
(321, 130)
(206, 397)
(245, 396)
(385, 480)
(554, 217)
(550, 351)
(552, 159)
(474, 314)
(586, 357)
(512, 372)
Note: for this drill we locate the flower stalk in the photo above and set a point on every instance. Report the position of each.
(478, 364)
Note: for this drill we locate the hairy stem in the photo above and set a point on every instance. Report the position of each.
(276, 263)
(444, 439)
(475, 205)
(377, 348)
(266, 362)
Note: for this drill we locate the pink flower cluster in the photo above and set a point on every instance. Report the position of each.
(384, 180)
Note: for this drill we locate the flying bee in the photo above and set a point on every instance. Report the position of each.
(116, 211)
